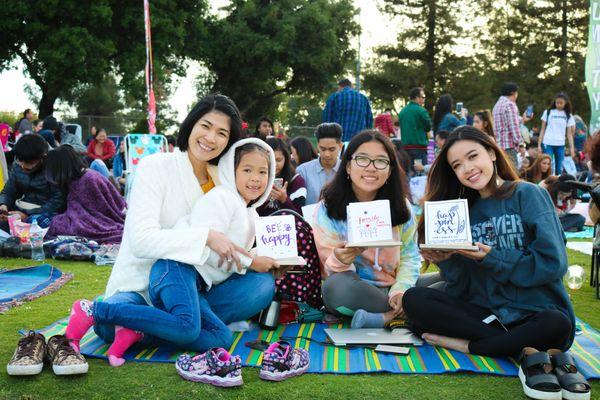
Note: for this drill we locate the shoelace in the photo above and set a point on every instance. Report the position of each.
(27, 345)
(64, 349)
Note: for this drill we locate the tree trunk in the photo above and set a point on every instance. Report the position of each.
(46, 106)
(564, 35)
(430, 53)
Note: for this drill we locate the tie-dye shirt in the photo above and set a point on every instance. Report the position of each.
(400, 265)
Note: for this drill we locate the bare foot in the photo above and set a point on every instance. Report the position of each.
(388, 316)
(451, 343)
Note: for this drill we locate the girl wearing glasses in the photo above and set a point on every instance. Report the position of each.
(355, 285)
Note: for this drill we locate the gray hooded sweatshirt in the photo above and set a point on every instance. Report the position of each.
(224, 210)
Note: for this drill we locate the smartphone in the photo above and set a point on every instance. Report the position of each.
(459, 107)
(529, 112)
(382, 348)
(278, 183)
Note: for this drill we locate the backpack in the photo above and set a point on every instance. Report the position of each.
(302, 287)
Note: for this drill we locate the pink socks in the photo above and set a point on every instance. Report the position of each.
(80, 321)
(124, 339)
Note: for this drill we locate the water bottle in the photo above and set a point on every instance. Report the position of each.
(36, 238)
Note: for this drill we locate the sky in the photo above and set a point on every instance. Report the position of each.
(377, 29)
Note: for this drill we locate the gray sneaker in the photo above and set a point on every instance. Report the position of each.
(65, 360)
(29, 355)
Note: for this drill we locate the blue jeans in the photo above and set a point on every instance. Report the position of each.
(184, 313)
(558, 152)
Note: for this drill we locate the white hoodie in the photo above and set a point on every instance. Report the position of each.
(224, 210)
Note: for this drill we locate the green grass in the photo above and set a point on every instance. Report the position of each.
(159, 381)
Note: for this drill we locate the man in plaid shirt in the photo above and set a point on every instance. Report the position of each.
(507, 121)
(350, 109)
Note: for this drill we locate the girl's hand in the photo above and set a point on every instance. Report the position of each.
(396, 304)
(263, 264)
(346, 255)
(279, 194)
(226, 249)
(476, 255)
(436, 256)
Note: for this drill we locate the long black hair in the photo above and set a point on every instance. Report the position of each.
(568, 106)
(211, 102)
(443, 184)
(304, 149)
(63, 166)
(444, 105)
(338, 193)
(288, 171)
(257, 134)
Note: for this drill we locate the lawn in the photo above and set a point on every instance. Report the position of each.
(160, 381)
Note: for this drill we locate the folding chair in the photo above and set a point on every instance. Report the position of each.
(138, 146)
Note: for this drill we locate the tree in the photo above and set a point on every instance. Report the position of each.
(541, 45)
(263, 48)
(66, 44)
(424, 55)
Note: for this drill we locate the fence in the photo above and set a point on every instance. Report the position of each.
(119, 125)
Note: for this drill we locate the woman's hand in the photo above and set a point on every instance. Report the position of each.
(346, 255)
(263, 264)
(279, 194)
(436, 256)
(474, 254)
(226, 249)
(396, 304)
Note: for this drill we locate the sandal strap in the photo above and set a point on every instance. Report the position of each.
(541, 357)
(543, 380)
(560, 359)
(567, 380)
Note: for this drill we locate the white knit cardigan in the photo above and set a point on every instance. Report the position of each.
(165, 189)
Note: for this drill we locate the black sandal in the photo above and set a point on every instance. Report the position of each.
(574, 385)
(536, 375)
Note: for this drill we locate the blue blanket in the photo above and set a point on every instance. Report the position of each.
(25, 284)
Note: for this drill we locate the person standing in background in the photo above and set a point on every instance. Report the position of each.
(350, 109)
(506, 121)
(557, 121)
(385, 124)
(415, 126)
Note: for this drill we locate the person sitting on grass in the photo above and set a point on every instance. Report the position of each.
(302, 151)
(27, 192)
(154, 287)
(291, 194)
(95, 209)
(564, 198)
(101, 148)
(509, 294)
(359, 283)
(540, 169)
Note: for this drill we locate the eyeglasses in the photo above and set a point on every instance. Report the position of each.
(364, 162)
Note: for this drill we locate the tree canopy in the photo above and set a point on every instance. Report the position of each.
(65, 44)
(262, 49)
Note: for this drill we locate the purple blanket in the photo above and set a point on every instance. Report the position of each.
(95, 210)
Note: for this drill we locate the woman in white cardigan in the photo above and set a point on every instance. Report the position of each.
(185, 313)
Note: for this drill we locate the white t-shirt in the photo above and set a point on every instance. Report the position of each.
(556, 127)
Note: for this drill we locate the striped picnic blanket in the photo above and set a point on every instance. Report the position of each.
(339, 360)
